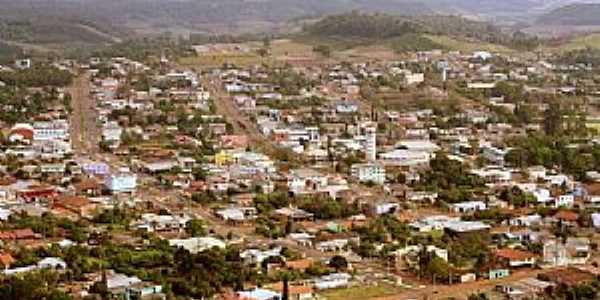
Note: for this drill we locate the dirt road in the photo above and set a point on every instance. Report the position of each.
(85, 131)
(462, 291)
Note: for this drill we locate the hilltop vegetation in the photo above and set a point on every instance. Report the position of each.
(412, 33)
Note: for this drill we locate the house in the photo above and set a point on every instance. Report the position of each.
(526, 221)
(468, 207)
(197, 244)
(566, 217)
(152, 222)
(303, 181)
(565, 201)
(515, 258)
(296, 292)
(414, 78)
(17, 234)
(53, 263)
(237, 214)
(79, 205)
(333, 281)
(293, 214)
(498, 273)
(369, 172)
(89, 187)
(259, 294)
(117, 280)
(575, 251)
(142, 291)
(384, 208)
(122, 182)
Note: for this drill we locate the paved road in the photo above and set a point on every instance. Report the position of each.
(241, 123)
(85, 131)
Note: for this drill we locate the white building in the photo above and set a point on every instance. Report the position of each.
(197, 244)
(52, 130)
(401, 157)
(468, 207)
(122, 182)
(369, 172)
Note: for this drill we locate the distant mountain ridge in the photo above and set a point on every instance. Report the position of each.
(580, 14)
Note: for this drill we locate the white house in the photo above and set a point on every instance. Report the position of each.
(197, 244)
(122, 182)
(369, 172)
(468, 207)
(564, 201)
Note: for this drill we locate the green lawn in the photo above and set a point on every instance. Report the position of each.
(361, 292)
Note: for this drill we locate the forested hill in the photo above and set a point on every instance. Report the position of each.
(195, 15)
(413, 29)
(582, 14)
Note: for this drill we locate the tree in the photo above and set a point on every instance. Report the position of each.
(323, 50)
(553, 118)
(195, 228)
(339, 263)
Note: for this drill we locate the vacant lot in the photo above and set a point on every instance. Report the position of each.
(581, 42)
(362, 292)
(467, 46)
(219, 59)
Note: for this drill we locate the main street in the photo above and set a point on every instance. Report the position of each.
(85, 131)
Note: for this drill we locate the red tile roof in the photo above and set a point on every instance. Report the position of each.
(514, 254)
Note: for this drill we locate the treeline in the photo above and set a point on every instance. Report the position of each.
(580, 56)
(8, 52)
(37, 76)
(356, 24)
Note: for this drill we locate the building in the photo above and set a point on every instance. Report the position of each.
(402, 157)
(197, 244)
(370, 146)
(575, 251)
(414, 78)
(369, 172)
(122, 182)
(515, 258)
(51, 130)
(468, 207)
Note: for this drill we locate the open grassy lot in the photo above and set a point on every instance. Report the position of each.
(218, 59)
(290, 48)
(361, 292)
(467, 46)
(580, 42)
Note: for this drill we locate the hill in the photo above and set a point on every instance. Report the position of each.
(410, 33)
(582, 14)
(182, 16)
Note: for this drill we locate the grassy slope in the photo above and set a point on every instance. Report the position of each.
(467, 46)
(580, 42)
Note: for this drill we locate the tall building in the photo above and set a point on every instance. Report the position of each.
(371, 142)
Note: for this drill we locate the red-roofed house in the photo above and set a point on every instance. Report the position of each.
(515, 258)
